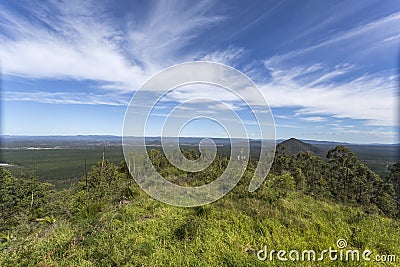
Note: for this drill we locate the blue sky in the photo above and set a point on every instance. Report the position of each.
(328, 69)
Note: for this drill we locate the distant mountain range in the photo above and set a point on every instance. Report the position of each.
(115, 140)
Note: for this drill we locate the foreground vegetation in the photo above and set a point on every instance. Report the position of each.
(106, 220)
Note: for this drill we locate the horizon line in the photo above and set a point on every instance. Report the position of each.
(120, 136)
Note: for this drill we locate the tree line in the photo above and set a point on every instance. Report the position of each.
(342, 177)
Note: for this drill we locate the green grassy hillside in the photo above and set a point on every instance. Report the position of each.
(230, 232)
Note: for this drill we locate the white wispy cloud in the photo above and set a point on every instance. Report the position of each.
(317, 89)
(313, 119)
(159, 40)
(67, 98)
(228, 56)
(327, 77)
(74, 40)
(358, 132)
(395, 37)
(64, 41)
(283, 117)
(373, 32)
(369, 97)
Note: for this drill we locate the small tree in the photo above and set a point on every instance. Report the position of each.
(343, 164)
(313, 169)
(282, 160)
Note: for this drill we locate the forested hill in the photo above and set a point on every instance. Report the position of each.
(378, 157)
(295, 146)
